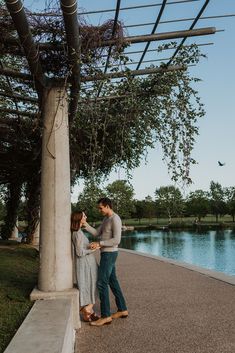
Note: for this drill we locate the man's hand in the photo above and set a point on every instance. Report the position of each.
(94, 245)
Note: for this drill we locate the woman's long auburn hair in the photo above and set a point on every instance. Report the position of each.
(76, 218)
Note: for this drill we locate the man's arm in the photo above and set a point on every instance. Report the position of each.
(91, 230)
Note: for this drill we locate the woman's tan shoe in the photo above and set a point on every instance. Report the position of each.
(120, 314)
(102, 321)
(86, 315)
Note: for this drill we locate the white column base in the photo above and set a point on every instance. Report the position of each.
(73, 293)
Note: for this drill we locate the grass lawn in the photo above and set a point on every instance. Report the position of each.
(186, 220)
(18, 276)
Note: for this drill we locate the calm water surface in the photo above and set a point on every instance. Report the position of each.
(214, 250)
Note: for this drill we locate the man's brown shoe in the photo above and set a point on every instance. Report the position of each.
(102, 321)
(120, 314)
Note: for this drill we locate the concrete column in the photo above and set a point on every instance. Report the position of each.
(55, 272)
(35, 235)
(15, 233)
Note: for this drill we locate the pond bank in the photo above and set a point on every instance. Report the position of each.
(181, 226)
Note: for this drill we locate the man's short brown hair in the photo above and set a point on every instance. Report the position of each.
(105, 202)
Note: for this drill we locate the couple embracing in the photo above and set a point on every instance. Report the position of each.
(91, 277)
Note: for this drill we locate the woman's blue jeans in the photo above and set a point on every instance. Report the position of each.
(107, 277)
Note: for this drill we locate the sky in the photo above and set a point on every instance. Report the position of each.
(216, 140)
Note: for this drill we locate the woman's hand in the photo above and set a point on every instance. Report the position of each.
(83, 222)
(94, 245)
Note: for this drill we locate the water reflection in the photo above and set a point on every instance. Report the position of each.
(210, 249)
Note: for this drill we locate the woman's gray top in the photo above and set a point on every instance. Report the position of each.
(86, 268)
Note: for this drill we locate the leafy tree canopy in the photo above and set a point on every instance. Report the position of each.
(169, 200)
(121, 193)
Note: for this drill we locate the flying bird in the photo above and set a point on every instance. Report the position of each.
(221, 164)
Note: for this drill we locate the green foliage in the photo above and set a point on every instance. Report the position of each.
(217, 200)
(230, 200)
(139, 210)
(87, 200)
(197, 204)
(149, 207)
(161, 108)
(144, 209)
(169, 201)
(113, 133)
(121, 193)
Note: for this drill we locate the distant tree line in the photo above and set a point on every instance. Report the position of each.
(168, 202)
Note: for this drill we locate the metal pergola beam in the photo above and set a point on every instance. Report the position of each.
(191, 29)
(82, 13)
(178, 20)
(8, 121)
(132, 73)
(118, 4)
(16, 74)
(69, 9)
(23, 76)
(164, 36)
(18, 15)
(168, 48)
(17, 112)
(19, 97)
(134, 39)
(153, 31)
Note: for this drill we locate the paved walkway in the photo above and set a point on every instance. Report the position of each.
(172, 310)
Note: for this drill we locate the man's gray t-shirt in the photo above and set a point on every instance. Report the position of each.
(109, 232)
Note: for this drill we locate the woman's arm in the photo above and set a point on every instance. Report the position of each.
(91, 230)
(78, 243)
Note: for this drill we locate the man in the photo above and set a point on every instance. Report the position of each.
(109, 234)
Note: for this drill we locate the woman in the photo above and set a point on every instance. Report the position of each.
(86, 267)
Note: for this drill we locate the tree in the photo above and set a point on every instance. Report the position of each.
(197, 204)
(139, 210)
(121, 193)
(111, 132)
(217, 200)
(87, 201)
(169, 201)
(230, 200)
(149, 207)
(105, 133)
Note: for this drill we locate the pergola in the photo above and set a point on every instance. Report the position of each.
(53, 101)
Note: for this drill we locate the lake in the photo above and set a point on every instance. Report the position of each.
(213, 250)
